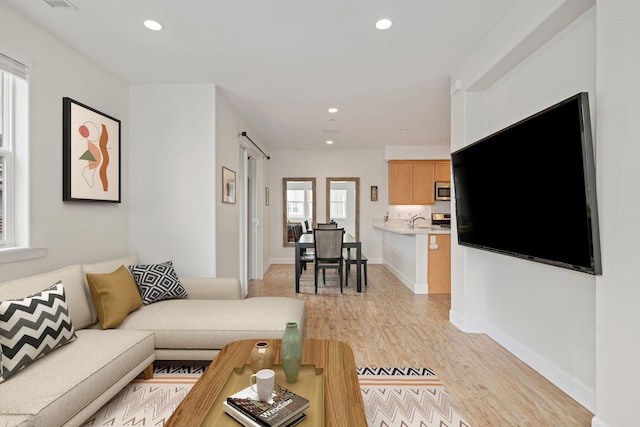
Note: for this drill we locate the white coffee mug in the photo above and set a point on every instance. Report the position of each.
(264, 384)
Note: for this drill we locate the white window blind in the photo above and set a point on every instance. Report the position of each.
(13, 66)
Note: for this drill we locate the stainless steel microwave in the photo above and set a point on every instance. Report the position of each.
(443, 190)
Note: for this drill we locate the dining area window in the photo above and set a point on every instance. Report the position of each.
(299, 203)
(338, 203)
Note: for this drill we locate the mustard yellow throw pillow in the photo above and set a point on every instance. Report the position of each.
(114, 295)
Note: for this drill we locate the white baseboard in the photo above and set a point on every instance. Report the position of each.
(416, 289)
(565, 382)
(265, 267)
(281, 261)
(464, 325)
(596, 422)
(272, 261)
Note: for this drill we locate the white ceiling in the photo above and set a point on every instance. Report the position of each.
(283, 63)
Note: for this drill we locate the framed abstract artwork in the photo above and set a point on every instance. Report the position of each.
(228, 185)
(91, 154)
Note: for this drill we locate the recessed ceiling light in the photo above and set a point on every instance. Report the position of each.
(329, 142)
(153, 25)
(333, 110)
(384, 24)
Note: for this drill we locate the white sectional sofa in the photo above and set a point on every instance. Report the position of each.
(67, 385)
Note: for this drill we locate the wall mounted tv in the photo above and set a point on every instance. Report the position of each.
(529, 190)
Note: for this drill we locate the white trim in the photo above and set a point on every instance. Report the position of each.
(416, 288)
(290, 260)
(21, 254)
(470, 327)
(568, 384)
(597, 422)
(17, 57)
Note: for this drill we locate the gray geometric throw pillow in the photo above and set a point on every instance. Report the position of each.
(157, 282)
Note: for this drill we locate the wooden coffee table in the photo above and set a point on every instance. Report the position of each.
(343, 404)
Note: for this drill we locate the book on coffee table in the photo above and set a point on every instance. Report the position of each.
(248, 422)
(284, 407)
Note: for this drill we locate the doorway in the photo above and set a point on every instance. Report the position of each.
(251, 214)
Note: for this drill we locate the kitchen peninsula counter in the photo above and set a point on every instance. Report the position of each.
(403, 229)
(405, 251)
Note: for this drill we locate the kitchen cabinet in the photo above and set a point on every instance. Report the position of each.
(443, 171)
(439, 264)
(408, 255)
(411, 182)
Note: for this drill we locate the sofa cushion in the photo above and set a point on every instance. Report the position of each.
(157, 282)
(110, 265)
(32, 327)
(76, 292)
(211, 324)
(114, 295)
(103, 267)
(50, 391)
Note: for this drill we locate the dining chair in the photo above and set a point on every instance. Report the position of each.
(307, 227)
(297, 232)
(327, 225)
(328, 252)
(305, 256)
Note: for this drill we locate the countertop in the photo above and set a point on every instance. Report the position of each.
(399, 228)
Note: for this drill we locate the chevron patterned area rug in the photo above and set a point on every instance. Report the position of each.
(149, 402)
(407, 397)
(402, 397)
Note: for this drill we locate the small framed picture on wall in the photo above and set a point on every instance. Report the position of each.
(228, 185)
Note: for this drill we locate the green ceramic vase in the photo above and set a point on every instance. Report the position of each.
(291, 352)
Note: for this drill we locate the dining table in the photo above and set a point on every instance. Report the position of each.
(348, 242)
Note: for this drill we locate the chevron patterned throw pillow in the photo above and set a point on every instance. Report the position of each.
(32, 327)
(157, 282)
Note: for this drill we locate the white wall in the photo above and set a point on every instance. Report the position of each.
(182, 135)
(618, 290)
(435, 152)
(368, 165)
(72, 232)
(174, 178)
(229, 123)
(545, 315)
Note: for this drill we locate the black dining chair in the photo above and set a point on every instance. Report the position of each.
(328, 252)
(305, 256)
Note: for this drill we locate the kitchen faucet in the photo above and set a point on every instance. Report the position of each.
(413, 220)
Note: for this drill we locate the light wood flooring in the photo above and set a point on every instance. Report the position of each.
(388, 325)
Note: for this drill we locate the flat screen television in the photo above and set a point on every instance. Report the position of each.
(529, 190)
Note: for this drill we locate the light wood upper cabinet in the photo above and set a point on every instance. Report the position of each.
(443, 171)
(400, 183)
(411, 182)
(423, 184)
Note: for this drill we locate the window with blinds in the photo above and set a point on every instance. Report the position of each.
(13, 107)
